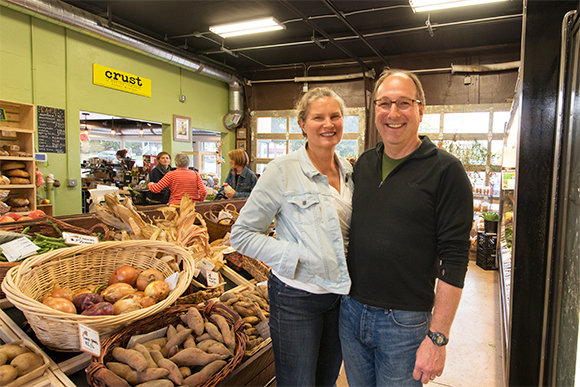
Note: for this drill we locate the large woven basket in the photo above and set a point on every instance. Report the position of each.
(78, 267)
(97, 369)
(218, 229)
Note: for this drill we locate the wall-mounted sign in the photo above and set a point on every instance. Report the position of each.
(51, 129)
(120, 80)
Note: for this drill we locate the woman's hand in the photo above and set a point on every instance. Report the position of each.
(230, 194)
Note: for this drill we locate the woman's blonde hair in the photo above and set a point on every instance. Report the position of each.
(311, 95)
(181, 160)
(239, 156)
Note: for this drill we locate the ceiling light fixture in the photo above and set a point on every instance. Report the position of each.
(431, 5)
(86, 129)
(247, 27)
(141, 133)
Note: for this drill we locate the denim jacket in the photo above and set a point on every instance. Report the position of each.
(246, 182)
(308, 244)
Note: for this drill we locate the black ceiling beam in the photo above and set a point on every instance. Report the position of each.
(341, 17)
(323, 33)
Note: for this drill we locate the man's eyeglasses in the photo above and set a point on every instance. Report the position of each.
(403, 104)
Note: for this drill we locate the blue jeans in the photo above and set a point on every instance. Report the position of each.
(304, 331)
(380, 345)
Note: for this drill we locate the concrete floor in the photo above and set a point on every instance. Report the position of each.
(474, 353)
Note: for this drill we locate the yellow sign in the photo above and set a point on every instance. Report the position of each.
(119, 80)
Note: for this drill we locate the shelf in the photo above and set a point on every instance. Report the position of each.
(16, 158)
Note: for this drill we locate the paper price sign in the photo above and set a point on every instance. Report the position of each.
(18, 249)
(213, 279)
(78, 239)
(90, 340)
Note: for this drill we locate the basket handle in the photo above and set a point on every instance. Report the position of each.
(227, 207)
(221, 207)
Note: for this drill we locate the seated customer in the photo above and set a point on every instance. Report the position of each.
(241, 178)
(181, 181)
(163, 166)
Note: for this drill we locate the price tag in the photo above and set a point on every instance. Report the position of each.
(213, 279)
(264, 329)
(78, 239)
(90, 341)
(172, 281)
(18, 249)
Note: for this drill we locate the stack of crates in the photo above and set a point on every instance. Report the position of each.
(486, 250)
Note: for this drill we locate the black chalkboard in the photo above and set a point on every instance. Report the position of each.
(51, 130)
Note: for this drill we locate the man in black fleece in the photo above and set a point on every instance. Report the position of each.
(412, 214)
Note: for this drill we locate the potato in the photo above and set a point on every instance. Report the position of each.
(3, 358)
(27, 362)
(7, 374)
(12, 350)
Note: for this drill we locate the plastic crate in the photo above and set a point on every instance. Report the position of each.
(486, 251)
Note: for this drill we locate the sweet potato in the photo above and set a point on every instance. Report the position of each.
(174, 373)
(194, 320)
(185, 371)
(227, 296)
(220, 349)
(135, 377)
(7, 374)
(157, 383)
(27, 362)
(177, 339)
(120, 369)
(171, 331)
(179, 327)
(207, 372)
(252, 320)
(205, 344)
(145, 352)
(194, 357)
(160, 342)
(189, 342)
(203, 337)
(229, 339)
(263, 289)
(110, 378)
(130, 357)
(214, 332)
(259, 300)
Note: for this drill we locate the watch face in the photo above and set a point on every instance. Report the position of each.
(440, 340)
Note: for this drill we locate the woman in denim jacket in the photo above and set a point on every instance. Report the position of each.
(241, 178)
(308, 194)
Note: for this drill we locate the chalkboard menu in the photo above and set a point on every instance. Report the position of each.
(51, 130)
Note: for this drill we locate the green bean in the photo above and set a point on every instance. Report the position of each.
(25, 230)
(55, 227)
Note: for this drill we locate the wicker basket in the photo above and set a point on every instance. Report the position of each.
(159, 320)
(78, 267)
(257, 269)
(215, 229)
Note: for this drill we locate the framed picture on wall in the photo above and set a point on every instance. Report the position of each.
(181, 128)
(241, 144)
(241, 133)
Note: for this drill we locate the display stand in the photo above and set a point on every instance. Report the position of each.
(18, 129)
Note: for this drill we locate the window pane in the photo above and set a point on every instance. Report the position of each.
(294, 145)
(496, 152)
(470, 153)
(347, 148)
(477, 122)
(208, 146)
(209, 164)
(260, 168)
(104, 149)
(271, 124)
(495, 183)
(136, 150)
(499, 121)
(294, 127)
(270, 149)
(350, 124)
(430, 123)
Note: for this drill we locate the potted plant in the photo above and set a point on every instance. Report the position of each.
(490, 221)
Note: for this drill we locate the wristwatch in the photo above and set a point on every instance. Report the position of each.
(438, 339)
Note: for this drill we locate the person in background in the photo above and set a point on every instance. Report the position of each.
(412, 214)
(163, 166)
(181, 181)
(241, 178)
(121, 155)
(308, 194)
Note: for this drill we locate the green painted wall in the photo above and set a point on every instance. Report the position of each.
(48, 65)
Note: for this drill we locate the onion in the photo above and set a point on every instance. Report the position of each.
(59, 292)
(84, 300)
(147, 302)
(148, 276)
(126, 274)
(157, 290)
(81, 291)
(126, 305)
(117, 291)
(101, 309)
(60, 304)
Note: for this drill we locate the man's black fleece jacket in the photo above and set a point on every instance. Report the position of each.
(408, 229)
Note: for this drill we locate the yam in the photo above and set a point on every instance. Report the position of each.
(7, 374)
(194, 321)
(214, 332)
(109, 378)
(227, 296)
(204, 345)
(12, 350)
(177, 339)
(160, 341)
(171, 331)
(252, 320)
(174, 373)
(185, 371)
(207, 372)
(145, 352)
(149, 374)
(203, 337)
(263, 289)
(224, 327)
(179, 327)
(220, 349)
(194, 357)
(120, 369)
(27, 362)
(157, 383)
(259, 300)
(130, 357)
(189, 342)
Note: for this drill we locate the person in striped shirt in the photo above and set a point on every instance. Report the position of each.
(181, 181)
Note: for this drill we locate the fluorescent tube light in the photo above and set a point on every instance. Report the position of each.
(248, 27)
(431, 5)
